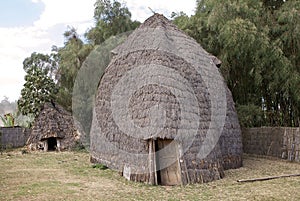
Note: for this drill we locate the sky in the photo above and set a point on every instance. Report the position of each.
(28, 26)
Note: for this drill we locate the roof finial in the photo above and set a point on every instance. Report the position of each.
(152, 10)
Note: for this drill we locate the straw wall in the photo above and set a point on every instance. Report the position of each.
(281, 142)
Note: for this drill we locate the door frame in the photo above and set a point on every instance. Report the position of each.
(153, 160)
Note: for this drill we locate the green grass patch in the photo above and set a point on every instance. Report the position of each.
(99, 166)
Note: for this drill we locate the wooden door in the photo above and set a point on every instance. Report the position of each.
(167, 163)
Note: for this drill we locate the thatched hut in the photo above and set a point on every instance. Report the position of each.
(163, 113)
(53, 129)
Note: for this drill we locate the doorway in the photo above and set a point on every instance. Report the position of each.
(167, 164)
(52, 144)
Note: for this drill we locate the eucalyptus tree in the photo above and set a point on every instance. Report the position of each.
(288, 38)
(111, 18)
(258, 43)
(71, 57)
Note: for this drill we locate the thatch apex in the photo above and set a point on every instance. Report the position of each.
(158, 20)
(54, 126)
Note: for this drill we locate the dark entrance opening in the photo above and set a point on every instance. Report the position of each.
(52, 144)
(157, 163)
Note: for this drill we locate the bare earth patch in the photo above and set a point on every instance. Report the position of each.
(70, 176)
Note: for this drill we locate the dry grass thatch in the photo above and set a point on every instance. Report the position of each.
(161, 68)
(56, 123)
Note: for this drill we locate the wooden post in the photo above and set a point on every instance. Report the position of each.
(152, 163)
(297, 145)
(45, 145)
(268, 178)
(185, 178)
(58, 144)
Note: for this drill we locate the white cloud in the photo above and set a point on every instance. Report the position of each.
(140, 9)
(65, 11)
(17, 43)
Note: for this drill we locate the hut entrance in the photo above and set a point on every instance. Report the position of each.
(167, 153)
(50, 144)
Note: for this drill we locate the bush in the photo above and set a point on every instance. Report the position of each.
(250, 115)
(79, 147)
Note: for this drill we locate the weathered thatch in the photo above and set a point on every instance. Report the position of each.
(163, 112)
(53, 129)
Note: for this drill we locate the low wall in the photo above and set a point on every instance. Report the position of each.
(13, 137)
(281, 142)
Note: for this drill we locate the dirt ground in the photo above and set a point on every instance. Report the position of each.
(70, 176)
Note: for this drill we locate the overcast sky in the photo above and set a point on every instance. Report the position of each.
(28, 26)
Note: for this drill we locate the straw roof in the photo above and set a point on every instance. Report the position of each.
(53, 122)
(161, 84)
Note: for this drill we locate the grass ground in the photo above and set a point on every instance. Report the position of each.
(70, 176)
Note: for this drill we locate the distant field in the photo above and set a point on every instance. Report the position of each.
(70, 176)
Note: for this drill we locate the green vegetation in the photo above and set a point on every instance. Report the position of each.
(8, 120)
(112, 18)
(258, 43)
(70, 176)
(71, 58)
(100, 166)
(10, 116)
(39, 84)
(7, 108)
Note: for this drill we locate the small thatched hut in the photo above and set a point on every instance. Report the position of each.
(53, 129)
(163, 113)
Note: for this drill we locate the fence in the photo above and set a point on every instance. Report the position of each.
(281, 142)
(12, 137)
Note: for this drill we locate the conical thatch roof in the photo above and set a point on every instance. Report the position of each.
(163, 97)
(53, 122)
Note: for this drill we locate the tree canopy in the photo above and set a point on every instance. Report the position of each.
(258, 44)
(39, 85)
(111, 18)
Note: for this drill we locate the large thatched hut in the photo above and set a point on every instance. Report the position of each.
(163, 113)
(53, 129)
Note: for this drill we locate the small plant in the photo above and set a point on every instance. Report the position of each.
(24, 120)
(24, 151)
(8, 120)
(79, 147)
(99, 166)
